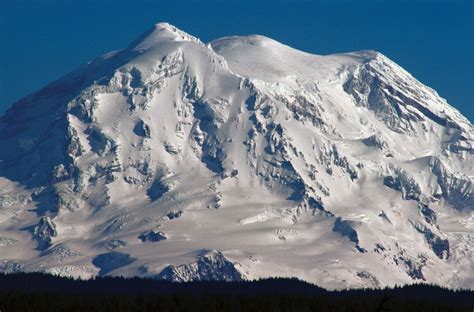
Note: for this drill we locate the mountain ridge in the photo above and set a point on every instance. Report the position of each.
(244, 150)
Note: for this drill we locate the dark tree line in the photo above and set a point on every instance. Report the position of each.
(42, 292)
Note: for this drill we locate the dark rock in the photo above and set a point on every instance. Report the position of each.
(428, 214)
(44, 231)
(152, 236)
(439, 246)
(174, 214)
(142, 129)
(344, 228)
(210, 266)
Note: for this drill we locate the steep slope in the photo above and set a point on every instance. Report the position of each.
(238, 159)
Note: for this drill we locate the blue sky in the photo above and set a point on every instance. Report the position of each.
(434, 40)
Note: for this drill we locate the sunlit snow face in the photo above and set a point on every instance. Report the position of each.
(239, 159)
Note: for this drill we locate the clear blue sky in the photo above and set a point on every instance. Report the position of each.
(434, 40)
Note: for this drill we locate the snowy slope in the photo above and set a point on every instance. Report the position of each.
(238, 159)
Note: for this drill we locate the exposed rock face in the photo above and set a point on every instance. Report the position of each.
(343, 170)
(439, 246)
(209, 266)
(142, 129)
(403, 183)
(44, 231)
(152, 236)
(343, 227)
(458, 190)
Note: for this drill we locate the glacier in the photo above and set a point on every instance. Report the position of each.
(241, 158)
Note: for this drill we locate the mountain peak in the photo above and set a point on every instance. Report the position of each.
(159, 33)
(237, 160)
(249, 40)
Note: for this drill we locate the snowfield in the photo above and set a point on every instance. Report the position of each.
(238, 159)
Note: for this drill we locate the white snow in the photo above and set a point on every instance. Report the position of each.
(342, 170)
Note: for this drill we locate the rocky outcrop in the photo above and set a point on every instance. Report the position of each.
(458, 190)
(209, 266)
(44, 232)
(344, 228)
(290, 151)
(152, 236)
(401, 181)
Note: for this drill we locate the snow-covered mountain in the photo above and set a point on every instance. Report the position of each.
(238, 159)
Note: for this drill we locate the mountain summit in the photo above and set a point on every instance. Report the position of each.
(238, 159)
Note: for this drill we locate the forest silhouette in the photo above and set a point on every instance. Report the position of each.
(42, 292)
